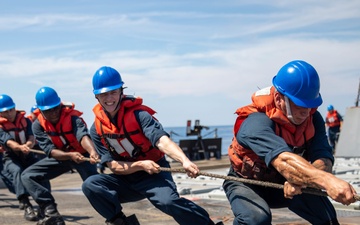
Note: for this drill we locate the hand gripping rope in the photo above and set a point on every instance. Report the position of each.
(312, 191)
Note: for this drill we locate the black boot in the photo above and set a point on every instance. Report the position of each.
(50, 215)
(23, 201)
(218, 223)
(21, 205)
(25, 204)
(117, 221)
(132, 220)
(121, 219)
(29, 213)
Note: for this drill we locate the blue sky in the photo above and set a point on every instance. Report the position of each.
(187, 59)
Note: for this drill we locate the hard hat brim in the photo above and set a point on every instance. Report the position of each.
(107, 89)
(7, 108)
(47, 107)
(313, 103)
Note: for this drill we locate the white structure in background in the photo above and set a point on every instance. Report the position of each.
(347, 153)
(349, 140)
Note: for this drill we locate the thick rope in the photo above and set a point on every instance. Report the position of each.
(43, 153)
(255, 182)
(243, 180)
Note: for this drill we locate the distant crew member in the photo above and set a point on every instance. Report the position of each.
(34, 112)
(333, 122)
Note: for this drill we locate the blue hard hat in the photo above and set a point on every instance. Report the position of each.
(330, 107)
(6, 103)
(47, 98)
(106, 79)
(300, 82)
(33, 108)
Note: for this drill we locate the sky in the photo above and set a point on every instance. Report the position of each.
(187, 59)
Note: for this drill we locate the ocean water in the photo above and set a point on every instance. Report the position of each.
(223, 131)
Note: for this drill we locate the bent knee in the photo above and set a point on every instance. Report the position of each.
(166, 202)
(25, 176)
(86, 185)
(91, 185)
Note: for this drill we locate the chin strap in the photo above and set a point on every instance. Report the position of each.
(121, 97)
(288, 111)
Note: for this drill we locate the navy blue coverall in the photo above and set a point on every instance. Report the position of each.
(106, 192)
(14, 163)
(251, 203)
(49, 168)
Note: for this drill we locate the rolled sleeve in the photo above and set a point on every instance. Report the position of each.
(151, 128)
(79, 127)
(257, 133)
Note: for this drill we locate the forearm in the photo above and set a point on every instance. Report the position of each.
(170, 148)
(298, 171)
(323, 164)
(60, 155)
(88, 145)
(124, 168)
(14, 145)
(24, 148)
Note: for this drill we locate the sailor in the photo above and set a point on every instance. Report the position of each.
(34, 112)
(16, 139)
(63, 135)
(281, 138)
(333, 121)
(5, 176)
(132, 144)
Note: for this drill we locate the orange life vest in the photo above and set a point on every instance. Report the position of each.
(332, 119)
(245, 161)
(125, 140)
(32, 117)
(62, 135)
(17, 129)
